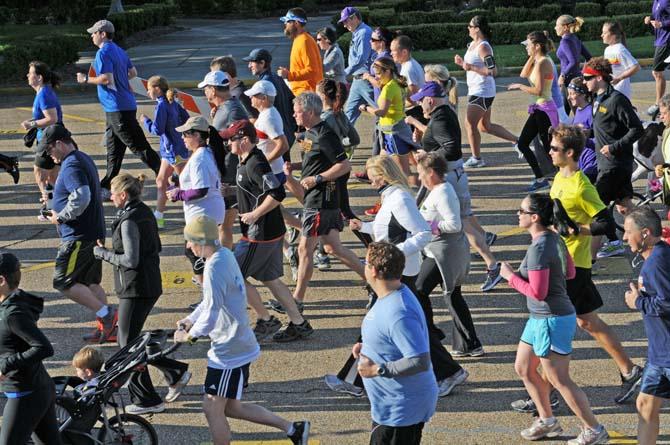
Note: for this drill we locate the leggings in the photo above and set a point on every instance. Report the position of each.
(32, 413)
(133, 312)
(538, 124)
(463, 334)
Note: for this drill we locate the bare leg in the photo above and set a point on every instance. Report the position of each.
(290, 219)
(306, 248)
(648, 408)
(557, 370)
(254, 300)
(334, 246)
(164, 174)
(659, 78)
(526, 364)
(604, 335)
(403, 163)
(99, 293)
(473, 115)
(226, 229)
(215, 412)
(282, 293)
(83, 295)
(251, 412)
(487, 126)
(477, 239)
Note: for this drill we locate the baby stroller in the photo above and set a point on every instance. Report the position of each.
(86, 418)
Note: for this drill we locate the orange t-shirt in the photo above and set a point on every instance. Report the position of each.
(305, 67)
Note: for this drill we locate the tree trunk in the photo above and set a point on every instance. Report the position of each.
(115, 7)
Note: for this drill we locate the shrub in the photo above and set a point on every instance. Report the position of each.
(7, 15)
(146, 16)
(388, 17)
(632, 24)
(544, 12)
(588, 9)
(55, 51)
(623, 8)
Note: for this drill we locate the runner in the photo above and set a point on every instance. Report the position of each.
(237, 87)
(359, 61)
(570, 52)
(333, 59)
(305, 66)
(624, 65)
(658, 20)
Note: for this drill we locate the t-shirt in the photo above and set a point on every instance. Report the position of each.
(111, 59)
(581, 202)
(393, 93)
(78, 170)
(413, 72)
(621, 59)
(654, 303)
(321, 149)
(547, 251)
(227, 113)
(46, 99)
(201, 172)
(268, 127)
(395, 327)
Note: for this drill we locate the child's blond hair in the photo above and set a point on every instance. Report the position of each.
(88, 358)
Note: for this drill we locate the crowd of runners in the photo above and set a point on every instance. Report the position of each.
(582, 139)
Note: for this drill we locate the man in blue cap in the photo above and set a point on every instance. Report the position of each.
(360, 57)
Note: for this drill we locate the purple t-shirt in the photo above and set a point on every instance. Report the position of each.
(569, 52)
(587, 160)
(660, 11)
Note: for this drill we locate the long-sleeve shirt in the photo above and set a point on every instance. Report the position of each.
(654, 303)
(167, 117)
(130, 257)
(333, 64)
(360, 51)
(569, 53)
(305, 65)
(660, 11)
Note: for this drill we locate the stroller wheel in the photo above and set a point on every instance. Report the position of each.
(128, 429)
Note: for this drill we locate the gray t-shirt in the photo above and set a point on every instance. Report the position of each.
(227, 113)
(548, 251)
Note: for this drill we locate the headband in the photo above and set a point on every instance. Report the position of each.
(577, 88)
(592, 72)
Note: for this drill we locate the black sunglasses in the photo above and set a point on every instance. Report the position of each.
(525, 212)
(587, 78)
(555, 148)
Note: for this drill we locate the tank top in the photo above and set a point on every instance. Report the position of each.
(545, 94)
(478, 85)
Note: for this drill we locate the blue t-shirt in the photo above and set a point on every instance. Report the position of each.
(77, 170)
(118, 97)
(654, 303)
(45, 99)
(394, 328)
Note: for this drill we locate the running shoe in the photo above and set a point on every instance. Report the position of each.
(528, 406)
(175, 390)
(14, 169)
(540, 429)
(293, 261)
(613, 248)
(589, 436)
(538, 184)
(372, 211)
(653, 110)
(300, 434)
(477, 352)
(362, 177)
(266, 328)
(293, 235)
(294, 332)
(474, 162)
(490, 238)
(107, 325)
(138, 409)
(338, 385)
(322, 262)
(493, 277)
(629, 385)
(277, 306)
(444, 387)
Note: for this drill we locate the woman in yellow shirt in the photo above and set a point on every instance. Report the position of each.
(393, 131)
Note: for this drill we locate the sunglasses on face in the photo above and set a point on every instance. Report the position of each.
(235, 138)
(372, 39)
(587, 78)
(525, 212)
(555, 148)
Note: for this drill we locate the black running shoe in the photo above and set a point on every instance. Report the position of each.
(629, 385)
(300, 434)
(279, 308)
(14, 170)
(294, 332)
(528, 406)
(266, 328)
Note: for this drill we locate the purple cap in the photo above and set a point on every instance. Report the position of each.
(346, 13)
(429, 89)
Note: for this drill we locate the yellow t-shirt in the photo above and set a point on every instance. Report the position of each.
(581, 201)
(393, 94)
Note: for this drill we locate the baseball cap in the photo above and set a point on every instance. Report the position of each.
(346, 13)
(215, 79)
(101, 25)
(525, 42)
(203, 231)
(429, 89)
(291, 15)
(240, 128)
(51, 134)
(262, 87)
(194, 123)
(8, 263)
(258, 54)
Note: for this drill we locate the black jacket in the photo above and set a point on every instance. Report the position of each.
(616, 124)
(443, 134)
(22, 345)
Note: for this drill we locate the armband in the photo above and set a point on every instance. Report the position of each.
(490, 62)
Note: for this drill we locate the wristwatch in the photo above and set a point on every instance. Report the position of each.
(318, 179)
(382, 371)
(60, 220)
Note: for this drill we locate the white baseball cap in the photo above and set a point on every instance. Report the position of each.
(215, 79)
(262, 87)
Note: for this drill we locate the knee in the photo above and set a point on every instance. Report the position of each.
(645, 407)
(161, 182)
(658, 75)
(484, 127)
(330, 249)
(588, 324)
(522, 370)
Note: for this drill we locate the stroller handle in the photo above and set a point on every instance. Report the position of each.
(167, 351)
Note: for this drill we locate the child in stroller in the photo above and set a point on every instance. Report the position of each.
(93, 412)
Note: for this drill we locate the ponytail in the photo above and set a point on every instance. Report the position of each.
(48, 76)
(216, 143)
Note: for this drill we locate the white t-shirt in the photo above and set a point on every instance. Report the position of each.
(413, 72)
(201, 172)
(621, 59)
(268, 127)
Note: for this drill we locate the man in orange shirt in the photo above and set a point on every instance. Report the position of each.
(305, 66)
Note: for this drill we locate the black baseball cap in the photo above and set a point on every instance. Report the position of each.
(257, 55)
(8, 263)
(51, 134)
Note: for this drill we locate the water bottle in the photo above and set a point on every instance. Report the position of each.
(50, 196)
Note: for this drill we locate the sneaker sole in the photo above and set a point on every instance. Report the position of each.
(602, 255)
(343, 390)
(493, 284)
(554, 433)
(149, 411)
(183, 385)
(631, 391)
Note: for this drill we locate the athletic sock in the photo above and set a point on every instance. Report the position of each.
(291, 430)
(102, 313)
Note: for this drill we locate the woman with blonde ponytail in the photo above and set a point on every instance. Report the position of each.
(570, 52)
(168, 115)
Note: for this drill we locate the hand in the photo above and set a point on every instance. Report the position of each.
(366, 367)
(100, 243)
(355, 224)
(288, 168)
(356, 349)
(308, 182)
(362, 108)
(143, 117)
(410, 120)
(248, 218)
(659, 170)
(181, 336)
(605, 151)
(185, 324)
(561, 81)
(81, 77)
(172, 194)
(514, 86)
(420, 154)
(27, 125)
(467, 66)
(282, 72)
(647, 20)
(458, 60)
(506, 270)
(632, 295)
(53, 218)
(656, 24)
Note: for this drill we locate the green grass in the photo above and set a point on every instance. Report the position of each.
(515, 55)
(10, 34)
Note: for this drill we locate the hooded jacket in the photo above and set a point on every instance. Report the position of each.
(22, 345)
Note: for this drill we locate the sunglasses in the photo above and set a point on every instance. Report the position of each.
(472, 26)
(525, 212)
(587, 78)
(555, 148)
(189, 133)
(372, 39)
(236, 138)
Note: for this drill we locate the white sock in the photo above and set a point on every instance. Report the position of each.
(291, 430)
(158, 214)
(549, 420)
(102, 313)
